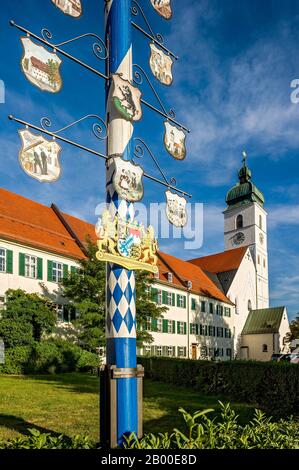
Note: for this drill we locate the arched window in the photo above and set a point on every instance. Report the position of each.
(265, 348)
(259, 259)
(249, 305)
(239, 221)
(260, 222)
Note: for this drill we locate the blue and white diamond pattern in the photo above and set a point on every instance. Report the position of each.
(121, 315)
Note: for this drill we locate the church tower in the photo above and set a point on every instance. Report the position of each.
(245, 224)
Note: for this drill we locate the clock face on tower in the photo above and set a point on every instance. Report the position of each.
(238, 238)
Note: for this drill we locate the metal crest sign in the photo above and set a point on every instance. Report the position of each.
(163, 7)
(174, 140)
(126, 99)
(41, 67)
(161, 65)
(126, 242)
(176, 209)
(39, 157)
(69, 7)
(127, 180)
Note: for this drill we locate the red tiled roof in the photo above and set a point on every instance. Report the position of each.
(221, 262)
(185, 271)
(34, 224)
(39, 65)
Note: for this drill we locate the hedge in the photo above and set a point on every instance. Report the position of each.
(52, 356)
(274, 387)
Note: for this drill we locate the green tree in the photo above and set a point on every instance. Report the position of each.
(25, 318)
(294, 327)
(53, 69)
(86, 290)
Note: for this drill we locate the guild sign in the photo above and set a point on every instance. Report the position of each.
(163, 7)
(41, 67)
(174, 140)
(126, 242)
(161, 65)
(176, 209)
(126, 99)
(39, 157)
(127, 180)
(70, 7)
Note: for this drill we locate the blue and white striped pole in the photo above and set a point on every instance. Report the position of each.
(121, 306)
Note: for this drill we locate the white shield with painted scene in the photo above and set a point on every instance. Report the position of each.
(174, 140)
(161, 65)
(163, 7)
(127, 180)
(41, 67)
(176, 209)
(39, 157)
(69, 7)
(126, 99)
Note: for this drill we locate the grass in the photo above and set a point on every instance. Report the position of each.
(69, 404)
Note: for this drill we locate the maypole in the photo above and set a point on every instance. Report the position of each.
(120, 287)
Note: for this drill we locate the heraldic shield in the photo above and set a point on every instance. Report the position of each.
(161, 65)
(41, 67)
(126, 99)
(174, 140)
(39, 157)
(176, 209)
(69, 7)
(163, 7)
(127, 180)
(126, 242)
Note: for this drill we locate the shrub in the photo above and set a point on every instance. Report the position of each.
(39, 440)
(16, 360)
(227, 433)
(272, 386)
(44, 357)
(87, 361)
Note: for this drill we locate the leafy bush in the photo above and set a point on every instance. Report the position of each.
(51, 356)
(272, 386)
(38, 440)
(204, 433)
(15, 360)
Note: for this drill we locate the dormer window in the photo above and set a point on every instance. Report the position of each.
(189, 284)
(239, 221)
(169, 277)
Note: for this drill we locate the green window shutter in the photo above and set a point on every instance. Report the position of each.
(65, 271)
(164, 297)
(221, 310)
(196, 326)
(191, 328)
(39, 268)
(154, 294)
(211, 308)
(50, 270)
(165, 326)
(203, 306)
(21, 264)
(154, 324)
(185, 328)
(9, 261)
(173, 300)
(73, 270)
(193, 304)
(184, 304)
(173, 326)
(177, 300)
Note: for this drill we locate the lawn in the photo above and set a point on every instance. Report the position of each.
(69, 404)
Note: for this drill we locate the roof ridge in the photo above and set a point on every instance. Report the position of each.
(67, 226)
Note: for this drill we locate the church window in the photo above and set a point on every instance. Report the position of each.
(249, 305)
(259, 259)
(265, 348)
(264, 263)
(239, 221)
(260, 222)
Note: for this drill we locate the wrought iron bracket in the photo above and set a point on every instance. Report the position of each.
(99, 129)
(97, 47)
(169, 115)
(156, 38)
(45, 122)
(140, 145)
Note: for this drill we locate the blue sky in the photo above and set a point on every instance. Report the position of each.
(231, 87)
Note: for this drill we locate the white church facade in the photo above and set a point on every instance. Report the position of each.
(217, 305)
